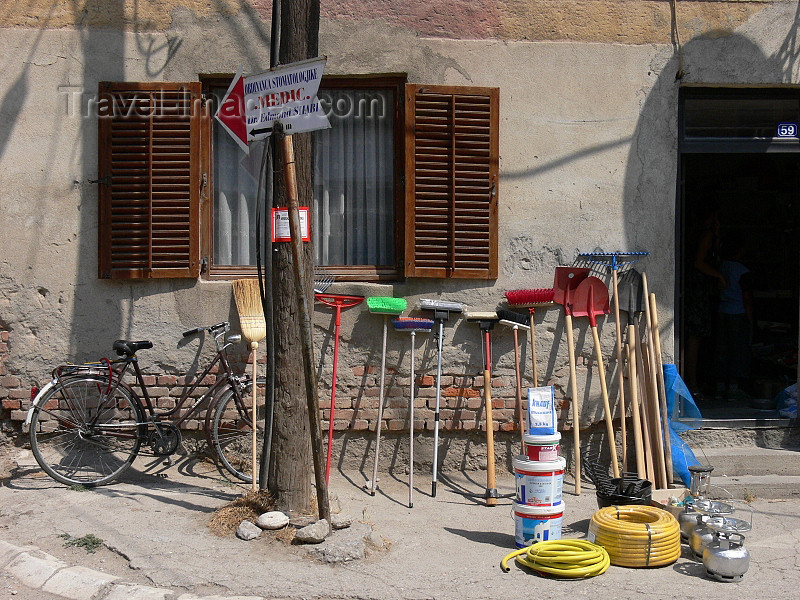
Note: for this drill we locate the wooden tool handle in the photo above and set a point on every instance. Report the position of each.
(620, 375)
(601, 373)
(635, 417)
(254, 347)
(643, 409)
(576, 419)
(662, 389)
(656, 433)
(532, 336)
(491, 482)
(519, 391)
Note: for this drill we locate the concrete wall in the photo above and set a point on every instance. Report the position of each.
(588, 146)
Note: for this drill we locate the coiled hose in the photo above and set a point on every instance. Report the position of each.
(637, 535)
(569, 559)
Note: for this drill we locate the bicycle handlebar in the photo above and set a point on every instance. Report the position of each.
(225, 326)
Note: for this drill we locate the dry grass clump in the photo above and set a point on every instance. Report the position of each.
(226, 519)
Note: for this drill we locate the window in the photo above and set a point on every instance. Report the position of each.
(357, 178)
(451, 193)
(149, 181)
(405, 183)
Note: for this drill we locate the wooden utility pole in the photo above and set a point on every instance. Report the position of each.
(294, 432)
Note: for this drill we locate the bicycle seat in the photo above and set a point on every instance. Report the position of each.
(127, 348)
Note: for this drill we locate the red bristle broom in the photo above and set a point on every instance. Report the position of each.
(530, 299)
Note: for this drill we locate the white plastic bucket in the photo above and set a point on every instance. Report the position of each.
(537, 523)
(539, 483)
(541, 448)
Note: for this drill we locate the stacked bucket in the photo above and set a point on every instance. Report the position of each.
(539, 474)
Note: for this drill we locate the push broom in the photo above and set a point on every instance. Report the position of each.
(412, 325)
(441, 313)
(254, 329)
(486, 321)
(531, 299)
(516, 321)
(386, 306)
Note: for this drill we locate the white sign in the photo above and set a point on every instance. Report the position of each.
(288, 94)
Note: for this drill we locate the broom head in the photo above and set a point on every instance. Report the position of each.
(512, 318)
(537, 297)
(251, 314)
(386, 305)
(412, 324)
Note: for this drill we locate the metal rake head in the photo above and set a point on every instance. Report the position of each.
(322, 281)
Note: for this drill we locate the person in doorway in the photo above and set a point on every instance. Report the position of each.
(734, 320)
(703, 282)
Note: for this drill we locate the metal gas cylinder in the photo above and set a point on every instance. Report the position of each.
(700, 535)
(688, 519)
(725, 557)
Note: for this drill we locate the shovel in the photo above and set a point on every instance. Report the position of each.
(591, 299)
(566, 280)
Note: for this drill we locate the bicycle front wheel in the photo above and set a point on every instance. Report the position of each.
(232, 430)
(80, 435)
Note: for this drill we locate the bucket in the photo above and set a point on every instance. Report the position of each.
(541, 447)
(537, 523)
(539, 483)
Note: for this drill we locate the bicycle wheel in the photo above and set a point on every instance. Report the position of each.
(232, 430)
(80, 436)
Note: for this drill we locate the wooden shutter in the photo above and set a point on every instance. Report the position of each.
(149, 171)
(451, 181)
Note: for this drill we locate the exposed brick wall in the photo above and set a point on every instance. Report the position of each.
(461, 404)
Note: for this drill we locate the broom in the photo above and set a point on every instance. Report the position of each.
(530, 299)
(254, 328)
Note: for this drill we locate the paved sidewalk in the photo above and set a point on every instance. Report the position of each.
(157, 545)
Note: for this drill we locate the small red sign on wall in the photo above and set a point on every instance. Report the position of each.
(280, 224)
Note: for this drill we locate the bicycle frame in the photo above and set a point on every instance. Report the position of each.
(116, 375)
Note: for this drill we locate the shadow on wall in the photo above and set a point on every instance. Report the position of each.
(650, 194)
(103, 309)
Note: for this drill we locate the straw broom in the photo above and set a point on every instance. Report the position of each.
(254, 328)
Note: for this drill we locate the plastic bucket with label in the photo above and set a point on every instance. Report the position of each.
(537, 523)
(539, 483)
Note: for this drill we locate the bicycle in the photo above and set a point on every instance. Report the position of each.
(87, 425)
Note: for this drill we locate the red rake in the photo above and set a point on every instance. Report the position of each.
(338, 302)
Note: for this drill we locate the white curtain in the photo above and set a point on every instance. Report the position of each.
(235, 188)
(353, 210)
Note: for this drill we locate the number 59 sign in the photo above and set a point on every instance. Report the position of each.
(787, 130)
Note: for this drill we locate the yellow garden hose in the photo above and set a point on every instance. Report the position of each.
(561, 558)
(637, 535)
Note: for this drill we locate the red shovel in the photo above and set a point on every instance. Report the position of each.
(591, 299)
(566, 280)
(338, 302)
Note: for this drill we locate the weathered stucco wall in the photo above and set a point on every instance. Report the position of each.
(588, 162)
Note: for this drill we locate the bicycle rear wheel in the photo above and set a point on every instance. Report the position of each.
(232, 430)
(81, 436)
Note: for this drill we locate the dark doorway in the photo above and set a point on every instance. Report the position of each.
(742, 207)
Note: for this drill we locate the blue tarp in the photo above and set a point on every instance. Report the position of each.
(680, 405)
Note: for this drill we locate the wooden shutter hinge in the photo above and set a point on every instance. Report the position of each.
(105, 180)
